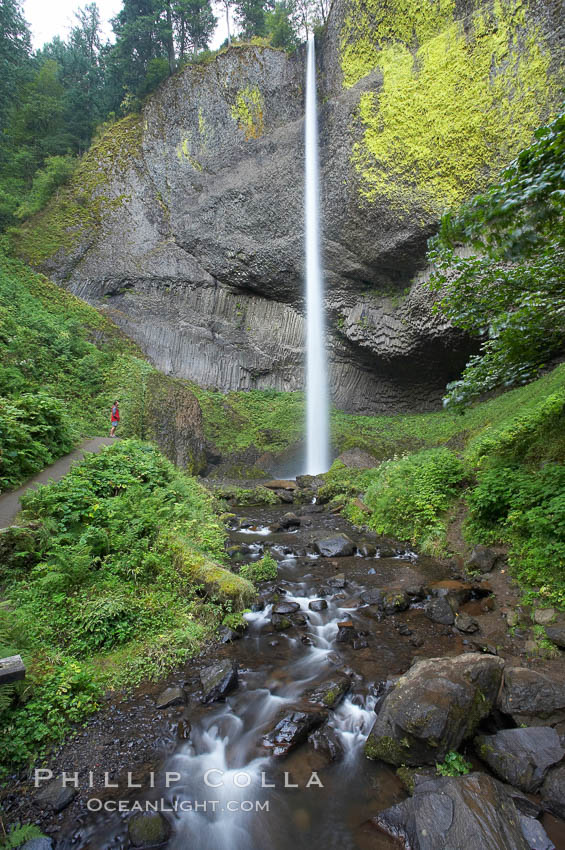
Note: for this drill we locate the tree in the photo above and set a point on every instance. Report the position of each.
(227, 5)
(15, 50)
(509, 292)
(251, 16)
(195, 23)
(280, 27)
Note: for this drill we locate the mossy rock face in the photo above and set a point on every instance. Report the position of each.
(208, 279)
(434, 708)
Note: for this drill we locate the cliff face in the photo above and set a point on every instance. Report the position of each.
(185, 223)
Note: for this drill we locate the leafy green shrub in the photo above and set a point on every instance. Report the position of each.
(526, 509)
(510, 293)
(96, 572)
(57, 171)
(410, 495)
(257, 571)
(453, 765)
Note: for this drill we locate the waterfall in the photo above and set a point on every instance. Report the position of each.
(317, 410)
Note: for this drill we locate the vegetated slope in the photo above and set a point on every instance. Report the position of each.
(113, 575)
(505, 458)
(61, 365)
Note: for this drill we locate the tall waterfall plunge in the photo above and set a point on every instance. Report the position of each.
(317, 409)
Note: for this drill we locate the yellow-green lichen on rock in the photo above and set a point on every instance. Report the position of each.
(450, 111)
(82, 204)
(184, 153)
(248, 112)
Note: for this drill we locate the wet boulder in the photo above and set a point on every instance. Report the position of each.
(553, 791)
(521, 757)
(148, 829)
(367, 549)
(440, 611)
(218, 680)
(170, 697)
(531, 697)
(318, 605)
(471, 811)
(337, 546)
(54, 796)
(286, 608)
(346, 632)
(280, 484)
(292, 730)
(281, 622)
(331, 692)
(326, 742)
(435, 706)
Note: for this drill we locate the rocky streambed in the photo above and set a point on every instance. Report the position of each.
(320, 725)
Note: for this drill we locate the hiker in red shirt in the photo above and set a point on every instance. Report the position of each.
(114, 419)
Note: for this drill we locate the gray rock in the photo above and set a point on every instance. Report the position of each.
(38, 844)
(338, 582)
(326, 742)
(54, 796)
(440, 611)
(280, 622)
(346, 632)
(467, 625)
(553, 791)
(366, 549)
(483, 559)
(471, 812)
(290, 520)
(286, 608)
(556, 634)
(218, 680)
(357, 459)
(171, 696)
(372, 597)
(338, 546)
(331, 692)
(293, 730)
(535, 835)
(395, 601)
(531, 697)
(228, 635)
(148, 829)
(318, 605)
(544, 616)
(434, 707)
(521, 757)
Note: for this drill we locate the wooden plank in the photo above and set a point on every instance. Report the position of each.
(12, 669)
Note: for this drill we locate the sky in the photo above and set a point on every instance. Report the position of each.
(56, 17)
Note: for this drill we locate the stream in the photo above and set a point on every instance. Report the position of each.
(222, 787)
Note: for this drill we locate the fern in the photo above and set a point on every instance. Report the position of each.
(7, 692)
(18, 835)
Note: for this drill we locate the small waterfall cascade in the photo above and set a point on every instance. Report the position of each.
(317, 405)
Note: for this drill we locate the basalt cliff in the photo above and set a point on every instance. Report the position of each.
(185, 222)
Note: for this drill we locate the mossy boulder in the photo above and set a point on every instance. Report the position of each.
(434, 708)
(148, 829)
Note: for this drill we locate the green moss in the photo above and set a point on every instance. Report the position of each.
(386, 749)
(458, 100)
(82, 205)
(248, 112)
(219, 583)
